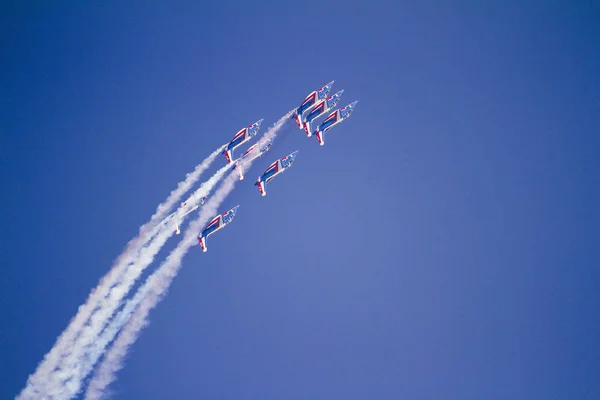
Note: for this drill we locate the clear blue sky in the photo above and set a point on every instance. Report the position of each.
(443, 244)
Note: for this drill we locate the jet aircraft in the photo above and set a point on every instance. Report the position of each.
(319, 109)
(333, 119)
(186, 208)
(310, 101)
(253, 152)
(217, 223)
(274, 169)
(240, 138)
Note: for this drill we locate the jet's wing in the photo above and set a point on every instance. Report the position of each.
(274, 169)
(329, 121)
(314, 113)
(319, 109)
(253, 152)
(310, 101)
(180, 218)
(211, 228)
(327, 124)
(217, 223)
(186, 208)
(240, 138)
(159, 226)
(271, 172)
(333, 119)
(249, 151)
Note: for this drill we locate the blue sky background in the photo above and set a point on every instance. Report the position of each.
(443, 244)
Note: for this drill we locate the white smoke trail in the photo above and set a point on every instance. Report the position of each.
(150, 294)
(157, 284)
(46, 370)
(182, 188)
(75, 365)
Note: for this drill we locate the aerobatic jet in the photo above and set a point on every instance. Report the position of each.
(319, 109)
(186, 208)
(274, 169)
(240, 138)
(310, 101)
(253, 152)
(217, 223)
(333, 119)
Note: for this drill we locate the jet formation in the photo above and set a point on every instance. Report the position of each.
(316, 104)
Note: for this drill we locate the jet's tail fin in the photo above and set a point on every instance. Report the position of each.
(307, 128)
(261, 187)
(227, 154)
(319, 136)
(202, 242)
(298, 119)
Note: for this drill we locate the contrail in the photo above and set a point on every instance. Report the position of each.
(37, 382)
(157, 285)
(151, 293)
(182, 188)
(74, 366)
